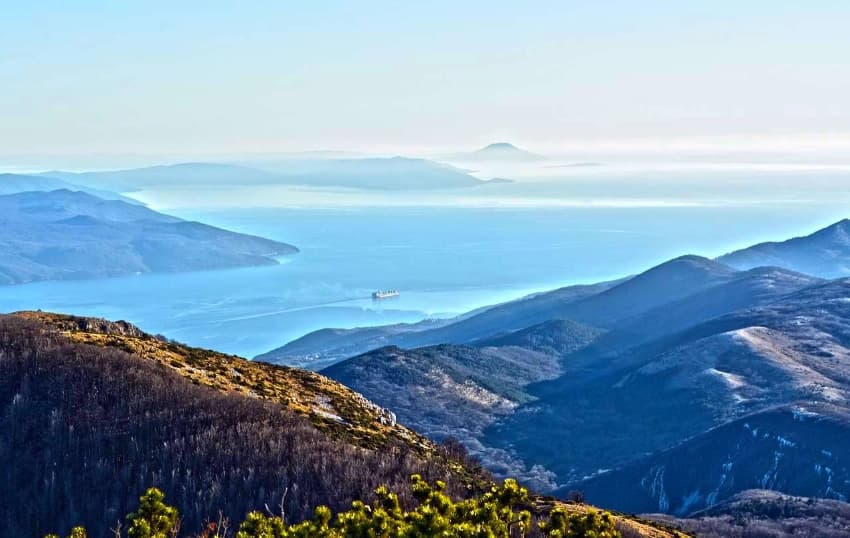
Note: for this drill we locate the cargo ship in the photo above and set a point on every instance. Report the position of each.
(385, 294)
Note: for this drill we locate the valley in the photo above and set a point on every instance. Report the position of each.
(691, 360)
(218, 434)
(611, 388)
(425, 269)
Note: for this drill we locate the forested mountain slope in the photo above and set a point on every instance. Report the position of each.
(93, 413)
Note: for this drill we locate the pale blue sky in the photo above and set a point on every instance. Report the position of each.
(210, 76)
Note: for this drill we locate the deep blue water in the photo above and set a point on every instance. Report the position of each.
(444, 261)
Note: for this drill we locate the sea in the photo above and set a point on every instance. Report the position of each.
(447, 253)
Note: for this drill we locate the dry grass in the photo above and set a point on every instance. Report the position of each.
(331, 406)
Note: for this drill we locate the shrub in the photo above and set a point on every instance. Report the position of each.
(502, 512)
(154, 518)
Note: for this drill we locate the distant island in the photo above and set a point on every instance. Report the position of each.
(499, 151)
(15, 183)
(64, 234)
(375, 173)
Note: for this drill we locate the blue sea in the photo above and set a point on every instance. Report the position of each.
(445, 260)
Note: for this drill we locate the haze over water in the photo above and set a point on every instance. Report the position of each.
(446, 252)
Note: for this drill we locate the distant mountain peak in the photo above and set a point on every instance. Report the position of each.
(504, 151)
(824, 253)
(842, 227)
(500, 146)
(692, 262)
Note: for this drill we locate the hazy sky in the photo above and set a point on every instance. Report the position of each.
(208, 76)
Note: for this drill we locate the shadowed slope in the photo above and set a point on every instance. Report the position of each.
(824, 253)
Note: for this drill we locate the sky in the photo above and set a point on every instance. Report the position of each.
(84, 77)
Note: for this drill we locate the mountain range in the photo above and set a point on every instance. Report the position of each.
(326, 346)
(94, 411)
(16, 183)
(396, 173)
(607, 305)
(825, 253)
(822, 254)
(702, 394)
(64, 234)
(617, 389)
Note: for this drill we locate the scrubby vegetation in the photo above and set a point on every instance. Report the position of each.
(92, 412)
(504, 511)
(330, 406)
(86, 427)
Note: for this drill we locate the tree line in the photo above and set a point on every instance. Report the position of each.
(84, 428)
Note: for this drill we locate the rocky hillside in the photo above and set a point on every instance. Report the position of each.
(451, 391)
(327, 404)
(457, 391)
(94, 412)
